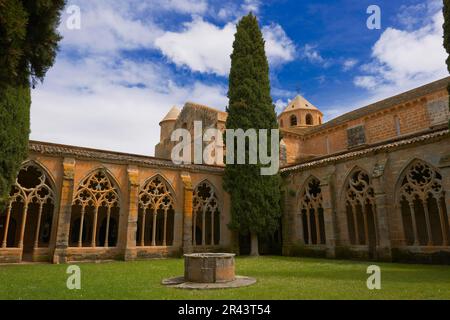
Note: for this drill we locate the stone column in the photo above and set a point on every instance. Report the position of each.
(382, 217)
(65, 211)
(329, 215)
(133, 210)
(187, 213)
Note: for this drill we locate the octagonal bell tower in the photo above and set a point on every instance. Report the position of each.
(300, 113)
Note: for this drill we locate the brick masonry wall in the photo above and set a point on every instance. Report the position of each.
(408, 118)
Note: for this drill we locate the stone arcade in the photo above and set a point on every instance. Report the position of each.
(371, 184)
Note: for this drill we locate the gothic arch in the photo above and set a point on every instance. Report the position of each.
(46, 171)
(360, 207)
(312, 212)
(206, 215)
(96, 199)
(28, 219)
(420, 198)
(166, 180)
(157, 202)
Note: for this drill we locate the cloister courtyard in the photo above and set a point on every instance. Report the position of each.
(278, 278)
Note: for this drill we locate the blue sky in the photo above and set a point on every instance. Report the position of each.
(131, 61)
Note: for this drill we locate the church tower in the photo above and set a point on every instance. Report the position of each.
(162, 150)
(300, 113)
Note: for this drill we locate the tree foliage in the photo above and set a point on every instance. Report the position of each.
(28, 47)
(14, 131)
(255, 199)
(446, 11)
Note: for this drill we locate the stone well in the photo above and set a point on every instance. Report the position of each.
(209, 267)
(205, 271)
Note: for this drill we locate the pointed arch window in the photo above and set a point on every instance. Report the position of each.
(206, 216)
(27, 221)
(312, 213)
(156, 214)
(361, 210)
(309, 120)
(95, 212)
(422, 203)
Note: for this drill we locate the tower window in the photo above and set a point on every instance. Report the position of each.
(309, 120)
(294, 121)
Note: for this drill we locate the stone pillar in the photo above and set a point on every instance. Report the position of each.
(382, 217)
(133, 210)
(65, 211)
(187, 213)
(329, 215)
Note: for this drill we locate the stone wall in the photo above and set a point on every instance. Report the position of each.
(385, 168)
(67, 169)
(397, 120)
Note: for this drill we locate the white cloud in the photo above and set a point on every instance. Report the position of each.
(108, 27)
(280, 105)
(279, 47)
(97, 103)
(310, 53)
(183, 6)
(204, 47)
(404, 59)
(349, 64)
(201, 46)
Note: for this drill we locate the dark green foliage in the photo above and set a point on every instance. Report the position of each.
(14, 131)
(446, 26)
(28, 39)
(255, 199)
(28, 46)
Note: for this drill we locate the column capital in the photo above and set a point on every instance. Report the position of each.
(187, 180)
(69, 168)
(133, 176)
(379, 168)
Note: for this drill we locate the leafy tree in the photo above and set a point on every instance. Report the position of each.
(446, 11)
(28, 46)
(255, 199)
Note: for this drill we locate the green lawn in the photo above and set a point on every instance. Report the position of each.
(278, 278)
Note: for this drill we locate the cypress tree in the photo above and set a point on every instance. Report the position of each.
(28, 45)
(255, 199)
(446, 11)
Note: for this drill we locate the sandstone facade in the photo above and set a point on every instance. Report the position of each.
(371, 184)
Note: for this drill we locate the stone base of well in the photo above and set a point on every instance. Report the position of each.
(180, 283)
(209, 271)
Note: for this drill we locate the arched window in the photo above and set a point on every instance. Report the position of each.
(27, 221)
(156, 214)
(294, 121)
(312, 213)
(96, 200)
(206, 216)
(309, 120)
(361, 213)
(422, 202)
